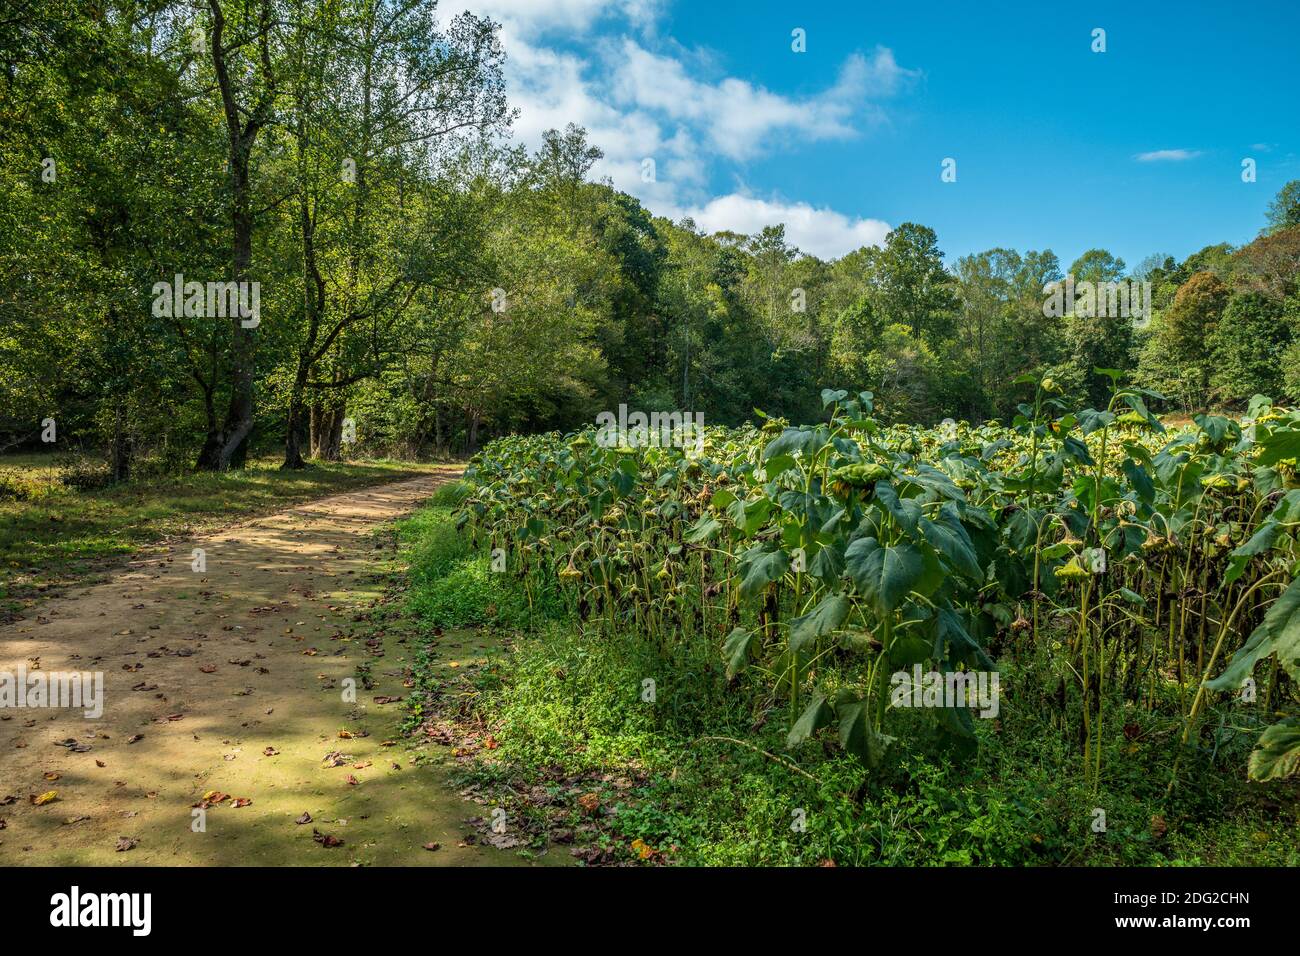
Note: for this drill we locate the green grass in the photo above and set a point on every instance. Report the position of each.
(567, 710)
(452, 584)
(52, 535)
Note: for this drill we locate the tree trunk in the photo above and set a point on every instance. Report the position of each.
(239, 415)
(327, 430)
(241, 133)
(293, 430)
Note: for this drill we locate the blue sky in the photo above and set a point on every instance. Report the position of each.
(1137, 149)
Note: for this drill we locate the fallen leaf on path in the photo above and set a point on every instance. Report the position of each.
(387, 700)
(433, 846)
(589, 802)
(208, 668)
(126, 843)
(241, 802)
(270, 752)
(71, 820)
(352, 781)
(325, 839)
(135, 738)
(305, 818)
(48, 796)
(51, 775)
(100, 763)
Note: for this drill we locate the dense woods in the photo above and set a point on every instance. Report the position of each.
(423, 282)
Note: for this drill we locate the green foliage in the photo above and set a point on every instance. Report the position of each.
(437, 286)
(569, 703)
(1248, 348)
(1284, 209)
(878, 548)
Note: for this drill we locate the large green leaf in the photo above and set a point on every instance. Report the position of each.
(829, 614)
(905, 512)
(702, 530)
(1278, 633)
(803, 440)
(1140, 480)
(883, 574)
(816, 715)
(749, 515)
(1277, 752)
(953, 642)
(907, 649)
(1258, 543)
(760, 566)
(947, 535)
(1278, 445)
(735, 650)
(857, 734)
(1091, 420)
(929, 478)
(827, 564)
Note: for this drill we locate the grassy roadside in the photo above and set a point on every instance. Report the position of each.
(560, 732)
(53, 535)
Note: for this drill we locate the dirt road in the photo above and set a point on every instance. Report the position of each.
(229, 679)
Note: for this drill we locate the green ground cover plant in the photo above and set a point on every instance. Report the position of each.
(727, 622)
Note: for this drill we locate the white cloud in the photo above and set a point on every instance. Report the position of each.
(823, 232)
(739, 118)
(552, 89)
(1167, 155)
(637, 104)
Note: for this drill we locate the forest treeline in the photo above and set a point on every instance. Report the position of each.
(423, 282)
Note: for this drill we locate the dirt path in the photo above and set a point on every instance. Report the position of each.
(232, 680)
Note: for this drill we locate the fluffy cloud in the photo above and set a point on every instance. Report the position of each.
(1167, 155)
(738, 118)
(823, 232)
(637, 104)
